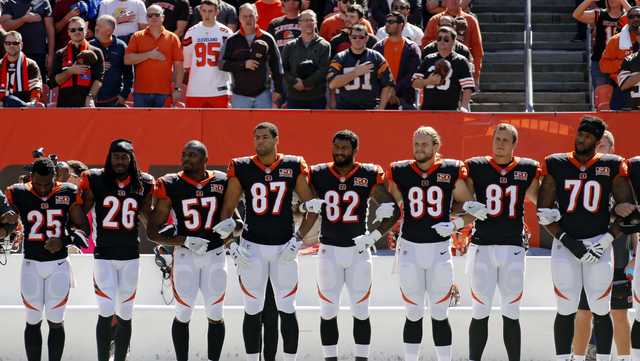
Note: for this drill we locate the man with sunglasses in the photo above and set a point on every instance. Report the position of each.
(79, 80)
(360, 76)
(629, 80)
(409, 30)
(332, 25)
(445, 76)
(20, 81)
(355, 15)
(458, 47)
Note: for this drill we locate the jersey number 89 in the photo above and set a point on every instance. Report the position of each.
(432, 199)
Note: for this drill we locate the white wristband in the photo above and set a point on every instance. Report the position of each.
(458, 223)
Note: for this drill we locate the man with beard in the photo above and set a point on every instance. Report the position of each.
(20, 81)
(53, 219)
(496, 255)
(582, 183)
(117, 196)
(192, 197)
(345, 186)
(268, 180)
(426, 188)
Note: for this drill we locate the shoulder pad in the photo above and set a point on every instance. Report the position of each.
(219, 175)
(401, 163)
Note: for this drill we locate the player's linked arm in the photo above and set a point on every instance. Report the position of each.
(379, 195)
(305, 193)
(462, 194)
(533, 191)
(157, 219)
(622, 193)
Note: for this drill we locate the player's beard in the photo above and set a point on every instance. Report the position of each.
(424, 159)
(346, 161)
(585, 150)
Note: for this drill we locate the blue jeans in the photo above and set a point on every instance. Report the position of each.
(141, 100)
(262, 101)
(12, 101)
(319, 103)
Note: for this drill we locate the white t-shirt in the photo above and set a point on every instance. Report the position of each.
(202, 47)
(410, 31)
(116, 7)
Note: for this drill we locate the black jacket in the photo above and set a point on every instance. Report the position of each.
(247, 82)
(408, 66)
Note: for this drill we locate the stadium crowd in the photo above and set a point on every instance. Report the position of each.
(300, 54)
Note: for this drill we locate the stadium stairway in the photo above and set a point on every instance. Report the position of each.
(560, 77)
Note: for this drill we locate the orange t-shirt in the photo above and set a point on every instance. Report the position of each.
(332, 25)
(155, 76)
(268, 12)
(393, 54)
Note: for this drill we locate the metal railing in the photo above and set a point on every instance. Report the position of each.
(528, 59)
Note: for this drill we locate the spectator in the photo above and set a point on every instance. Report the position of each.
(607, 22)
(176, 14)
(433, 7)
(227, 15)
(360, 76)
(409, 30)
(342, 41)
(445, 76)
(130, 15)
(157, 56)
(20, 81)
(459, 47)
(379, 9)
(473, 39)
(118, 77)
(76, 168)
(63, 11)
(286, 28)
(306, 62)
(250, 55)
(78, 68)
(332, 25)
(35, 25)
(620, 46)
(403, 57)
(461, 26)
(267, 11)
(209, 86)
(629, 80)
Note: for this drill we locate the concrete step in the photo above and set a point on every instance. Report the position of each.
(519, 27)
(519, 107)
(499, 3)
(537, 86)
(539, 77)
(537, 45)
(514, 8)
(538, 97)
(561, 107)
(539, 57)
(537, 67)
(519, 36)
(518, 17)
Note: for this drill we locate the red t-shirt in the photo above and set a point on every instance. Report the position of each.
(268, 12)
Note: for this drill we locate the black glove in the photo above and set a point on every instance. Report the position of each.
(576, 248)
(77, 237)
(168, 230)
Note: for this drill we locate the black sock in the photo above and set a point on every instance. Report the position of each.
(512, 337)
(215, 339)
(412, 332)
(290, 332)
(55, 342)
(635, 335)
(329, 333)
(478, 334)
(123, 338)
(270, 325)
(180, 335)
(33, 341)
(361, 331)
(103, 337)
(251, 332)
(603, 329)
(563, 328)
(441, 332)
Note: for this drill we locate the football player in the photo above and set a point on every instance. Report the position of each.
(53, 219)
(582, 183)
(634, 176)
(267, 180)
(192, 200)
(425, 188)
(346, 186)
(117, 196)
(497, 255)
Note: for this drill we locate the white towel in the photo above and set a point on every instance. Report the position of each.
(625, 38)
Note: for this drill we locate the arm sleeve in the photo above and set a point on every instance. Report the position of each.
(127, 78)
(384, 73)
(275, 64)
(476, 45)
(323, 67)
(187, 49)
(610, 62)
(97, 69)
(335, 68)
(466, 77)
(289, 77)
(57, 65)
(227, 64)
(177, 49)
(411, 64)
(430, 31)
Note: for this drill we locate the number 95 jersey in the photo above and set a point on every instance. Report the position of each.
(202, 52)
(195, 204)
(268, 194)
(583, 191)
(345, 208)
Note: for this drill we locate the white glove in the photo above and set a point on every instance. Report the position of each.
(446, 229)
(290, 250)
(79, 238)
(197, 245)
(592, 255)
(476, 209)
(312, 205)
(605, 241)
(225, 227)
(365, 241)
(546, 216)
(239, 254)
(384, 211)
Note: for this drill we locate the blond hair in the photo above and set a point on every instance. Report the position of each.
(429, 132)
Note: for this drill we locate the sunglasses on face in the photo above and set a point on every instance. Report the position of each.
(154, 15)
(73, 30)
(14, 43)
(446, 39)
(392, 21)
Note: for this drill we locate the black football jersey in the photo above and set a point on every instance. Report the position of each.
(43, 217)
(4, 205)
(583, 191)
(363, 92)
(447, 95)
(427, 196)
(503, 189)
(115, 213)
(195, 204)
(268, 195)
(606, 27)
(633, 165)
(344, 214)
(631, 66)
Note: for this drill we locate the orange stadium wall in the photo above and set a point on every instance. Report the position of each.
(159, 135)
